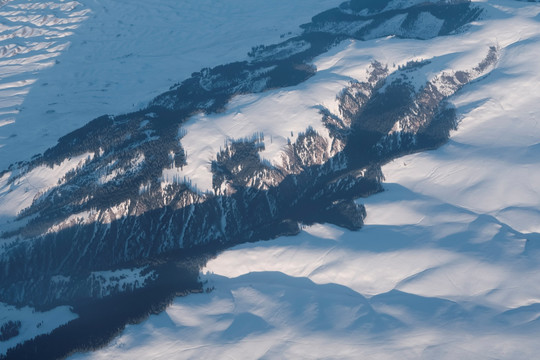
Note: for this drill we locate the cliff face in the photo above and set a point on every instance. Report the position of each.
(114, 209)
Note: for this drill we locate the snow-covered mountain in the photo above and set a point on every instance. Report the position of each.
(281, 142)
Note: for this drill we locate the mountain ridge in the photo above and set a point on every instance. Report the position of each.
(238, 170)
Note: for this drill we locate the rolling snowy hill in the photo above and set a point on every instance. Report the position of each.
(446, 263)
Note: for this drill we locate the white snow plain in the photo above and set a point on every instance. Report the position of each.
(448, 263)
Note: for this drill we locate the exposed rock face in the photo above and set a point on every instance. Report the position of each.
(114, 211)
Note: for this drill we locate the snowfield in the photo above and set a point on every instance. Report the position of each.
(448, 263)
(64, 63)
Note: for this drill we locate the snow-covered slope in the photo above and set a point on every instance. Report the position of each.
(64, 63)
(447, 265)
(32, 323)
(122, 188)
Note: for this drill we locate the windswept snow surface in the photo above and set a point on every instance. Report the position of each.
(448, 264)
(64, 63)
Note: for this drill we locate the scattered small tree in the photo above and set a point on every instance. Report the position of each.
(9, 330)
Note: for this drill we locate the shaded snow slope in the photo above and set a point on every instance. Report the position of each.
(447, 265)
(33, 322)
(63, 64)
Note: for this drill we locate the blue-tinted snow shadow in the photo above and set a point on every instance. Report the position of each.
(305, 307)
(468, 237)
(521, 319)
(433, 311)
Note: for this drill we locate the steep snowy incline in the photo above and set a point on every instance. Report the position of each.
(447, 265)
(63, 64)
